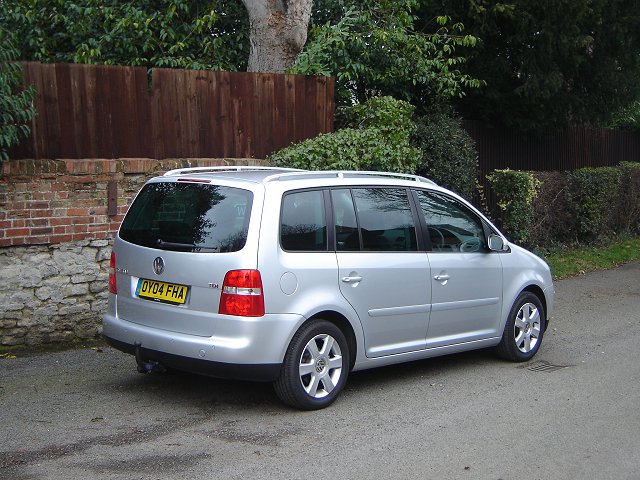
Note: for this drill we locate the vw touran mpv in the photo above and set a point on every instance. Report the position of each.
(299, 277)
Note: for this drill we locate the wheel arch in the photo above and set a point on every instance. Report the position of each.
(345, 327)
(538, 292)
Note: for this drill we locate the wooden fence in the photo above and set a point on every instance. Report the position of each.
(97, 111)
(560, 150)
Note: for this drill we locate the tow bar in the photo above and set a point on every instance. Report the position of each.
(147, 366)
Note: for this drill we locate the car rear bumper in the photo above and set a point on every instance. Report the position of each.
(256, 352)
(260, 372)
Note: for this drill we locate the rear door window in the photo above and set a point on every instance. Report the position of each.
(189, 217)
(383, 215)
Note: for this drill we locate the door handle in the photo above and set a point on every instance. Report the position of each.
(443, 277)
(351, 279)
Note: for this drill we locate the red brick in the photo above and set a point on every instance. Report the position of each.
(41, 231)
(41, 213)
(61, 238)
(16, 232)
(42, 240)
(96, 228)
(38, 222)
(77, 228)
(46, 195)
(19, 214)
(77, 212)
(41, 195)
(60, 221)
(34, 205)
(79, 236)
(60, 187)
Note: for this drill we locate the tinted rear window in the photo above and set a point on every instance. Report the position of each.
(189, 217)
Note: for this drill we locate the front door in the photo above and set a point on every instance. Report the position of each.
(466, 277)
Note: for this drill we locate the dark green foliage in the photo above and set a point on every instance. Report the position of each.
(152, 33)
(547, 63)
(392, 117)
(373, 48)
(627, 117)
(592, 196)
(376, 138)
(553, 222)
(16, 109)
(586, 206)
(516, 192)
(449, 156)
(627, 219)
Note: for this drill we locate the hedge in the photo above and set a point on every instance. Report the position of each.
(584, 206)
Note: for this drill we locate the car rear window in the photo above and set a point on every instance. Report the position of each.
(190, 217)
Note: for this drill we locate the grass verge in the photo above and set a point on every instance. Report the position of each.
(577, 261)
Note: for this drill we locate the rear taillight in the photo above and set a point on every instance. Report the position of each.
(242, 294)
(112, 274)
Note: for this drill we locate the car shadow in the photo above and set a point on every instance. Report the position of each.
(184, 388)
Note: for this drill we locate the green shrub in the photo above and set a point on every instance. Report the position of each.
(376, 138)
(349, 149)
(449, 156)
(628, 214)
(553, 222)
(16, 107)
(592, 196)
(516, 192)
(392, 117)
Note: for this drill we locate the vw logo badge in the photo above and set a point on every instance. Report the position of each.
(158, 265)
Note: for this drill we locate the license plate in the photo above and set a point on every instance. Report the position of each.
(162, 291)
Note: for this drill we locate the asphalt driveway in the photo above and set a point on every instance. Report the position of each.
(570, 413)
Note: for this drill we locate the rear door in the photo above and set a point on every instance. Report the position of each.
(381, 271)
(175, 245)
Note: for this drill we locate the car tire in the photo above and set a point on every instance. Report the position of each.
(315, 367)
(524, 329)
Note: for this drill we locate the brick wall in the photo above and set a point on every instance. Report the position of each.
(58, 201)
(55, 241)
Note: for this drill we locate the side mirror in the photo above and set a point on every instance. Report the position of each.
(497, 243)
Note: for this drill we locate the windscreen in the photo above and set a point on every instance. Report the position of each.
(189, 217)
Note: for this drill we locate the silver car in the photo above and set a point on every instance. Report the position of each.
(299, 277)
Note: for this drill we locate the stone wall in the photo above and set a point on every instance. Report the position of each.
(55, 241)
(53, 293)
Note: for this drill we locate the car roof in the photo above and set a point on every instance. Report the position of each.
(258, 174)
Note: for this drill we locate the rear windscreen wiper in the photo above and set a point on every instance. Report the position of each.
(190, 246)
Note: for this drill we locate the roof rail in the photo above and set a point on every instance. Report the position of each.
(346, 173)
(221, 168)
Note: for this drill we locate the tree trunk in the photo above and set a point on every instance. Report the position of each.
(278, 31)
